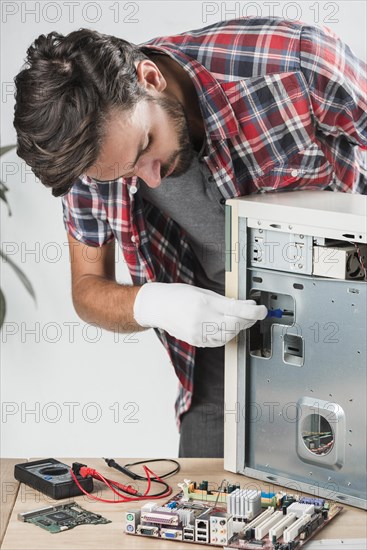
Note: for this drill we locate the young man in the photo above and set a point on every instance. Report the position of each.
(147, 142)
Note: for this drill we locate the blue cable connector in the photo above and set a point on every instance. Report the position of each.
(278, 313)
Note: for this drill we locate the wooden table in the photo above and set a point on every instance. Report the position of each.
(9, 491)
(18, 535)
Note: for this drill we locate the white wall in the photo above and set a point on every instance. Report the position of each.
(75, 378)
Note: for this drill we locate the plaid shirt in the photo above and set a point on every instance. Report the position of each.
(284, 108)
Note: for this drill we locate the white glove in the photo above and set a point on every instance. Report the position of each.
(194, 315)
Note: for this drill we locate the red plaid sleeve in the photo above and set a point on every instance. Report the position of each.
(84, 215)
(337, 82)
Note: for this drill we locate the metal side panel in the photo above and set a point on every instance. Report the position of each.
(286, 396)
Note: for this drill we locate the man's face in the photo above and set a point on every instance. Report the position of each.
(158, 128)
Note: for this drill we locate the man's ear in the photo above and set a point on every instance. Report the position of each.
(150, 76)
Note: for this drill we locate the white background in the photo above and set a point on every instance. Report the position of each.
(69, 389)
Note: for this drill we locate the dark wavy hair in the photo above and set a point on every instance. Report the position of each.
(63, 96)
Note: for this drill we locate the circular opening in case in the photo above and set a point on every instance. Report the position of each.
(317, 434)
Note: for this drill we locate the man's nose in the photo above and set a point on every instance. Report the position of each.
(150, 172)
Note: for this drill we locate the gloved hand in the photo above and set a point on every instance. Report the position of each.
(195, 315)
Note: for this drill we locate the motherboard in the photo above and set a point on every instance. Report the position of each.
(233, 517)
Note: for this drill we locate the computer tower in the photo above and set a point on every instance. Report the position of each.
(295, 383)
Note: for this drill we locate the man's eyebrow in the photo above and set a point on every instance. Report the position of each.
(140, 150)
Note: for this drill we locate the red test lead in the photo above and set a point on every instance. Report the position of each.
(84, 471)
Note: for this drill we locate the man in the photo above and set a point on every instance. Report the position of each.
(146, 143)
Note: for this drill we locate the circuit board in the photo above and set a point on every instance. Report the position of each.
(233, 517)
(62, 517)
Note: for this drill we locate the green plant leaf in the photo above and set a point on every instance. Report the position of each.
(3, 187)
(2, 308)
(24, 279)
(6, 148)
(3, 190)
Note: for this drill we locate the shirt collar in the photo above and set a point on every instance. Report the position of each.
(219, 118)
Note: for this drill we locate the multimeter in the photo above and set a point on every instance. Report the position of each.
(51, 477)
